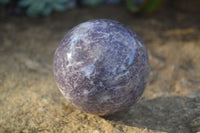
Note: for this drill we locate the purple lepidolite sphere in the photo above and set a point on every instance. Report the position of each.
(101, 66)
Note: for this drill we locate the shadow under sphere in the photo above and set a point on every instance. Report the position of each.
(169, 114)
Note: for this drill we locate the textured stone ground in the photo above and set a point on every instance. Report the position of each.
(31, 102)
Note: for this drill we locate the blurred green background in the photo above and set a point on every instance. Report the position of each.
(36, 8)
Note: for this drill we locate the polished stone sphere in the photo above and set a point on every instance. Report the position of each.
(101, 67)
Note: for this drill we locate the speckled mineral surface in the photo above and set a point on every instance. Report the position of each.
(101, 66)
